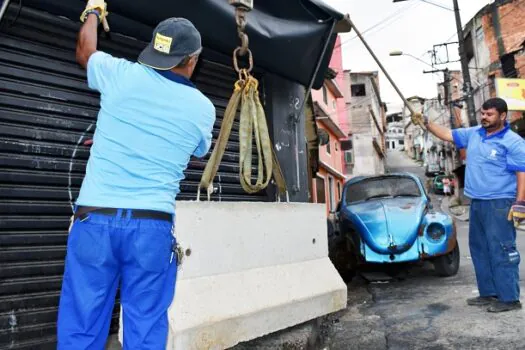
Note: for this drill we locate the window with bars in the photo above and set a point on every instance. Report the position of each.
(349, 158)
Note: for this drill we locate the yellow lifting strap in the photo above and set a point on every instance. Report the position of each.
(252, 122)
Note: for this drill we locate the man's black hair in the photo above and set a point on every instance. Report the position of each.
(497, 103)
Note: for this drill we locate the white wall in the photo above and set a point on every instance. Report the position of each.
(364, 129)
(367, 161)
(395, 134)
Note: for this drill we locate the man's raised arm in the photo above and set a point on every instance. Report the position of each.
(460, 136)
(94, 13)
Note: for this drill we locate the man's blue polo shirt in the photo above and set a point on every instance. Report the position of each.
(149, 125)
(492, 161)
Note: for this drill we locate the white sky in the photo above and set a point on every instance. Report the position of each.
(412, 26)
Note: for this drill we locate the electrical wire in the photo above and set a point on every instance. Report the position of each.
(438, 5)
(385, 21)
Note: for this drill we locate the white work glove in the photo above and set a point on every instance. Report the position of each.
(419, 119)
(517, 215)
(98, 5)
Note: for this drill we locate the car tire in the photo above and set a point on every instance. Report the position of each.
(448, 265)
(342, 259)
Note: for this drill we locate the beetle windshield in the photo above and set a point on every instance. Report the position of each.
(382, 187)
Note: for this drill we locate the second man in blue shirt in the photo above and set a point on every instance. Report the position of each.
(494, 180)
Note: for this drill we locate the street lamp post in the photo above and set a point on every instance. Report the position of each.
(401, 53)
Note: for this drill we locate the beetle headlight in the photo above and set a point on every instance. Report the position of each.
(435, 231)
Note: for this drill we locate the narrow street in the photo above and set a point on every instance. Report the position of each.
(419, 310)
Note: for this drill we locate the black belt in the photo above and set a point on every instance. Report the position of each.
(82, 212)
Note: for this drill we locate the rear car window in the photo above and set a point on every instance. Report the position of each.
(382, 187)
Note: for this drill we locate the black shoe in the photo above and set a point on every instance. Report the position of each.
(502, 307)
(481, 301)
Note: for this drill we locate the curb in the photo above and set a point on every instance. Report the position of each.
(445, 209)
(302, 336)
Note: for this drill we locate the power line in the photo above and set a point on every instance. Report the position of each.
(385, 21)
(438, 5)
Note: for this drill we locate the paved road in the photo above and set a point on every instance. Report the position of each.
(419, 310)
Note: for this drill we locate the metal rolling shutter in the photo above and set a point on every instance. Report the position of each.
(46, 112)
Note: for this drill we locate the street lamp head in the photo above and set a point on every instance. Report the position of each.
(396, 53)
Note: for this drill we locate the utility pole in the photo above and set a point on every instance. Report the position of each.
(467, 84)
(448, 80)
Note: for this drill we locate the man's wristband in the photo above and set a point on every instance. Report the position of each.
(92, 11)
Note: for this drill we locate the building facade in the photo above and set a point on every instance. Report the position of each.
(368, 120)
(494, 44)
(413, 133)
(395, 136)
(334, 126)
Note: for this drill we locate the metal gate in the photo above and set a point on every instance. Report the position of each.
(46, 113)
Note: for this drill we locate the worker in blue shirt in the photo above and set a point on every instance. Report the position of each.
(495, 181)
(151, 122)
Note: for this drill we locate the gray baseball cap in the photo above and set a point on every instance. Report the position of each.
(173, 40)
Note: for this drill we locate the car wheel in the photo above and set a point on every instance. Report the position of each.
(342, 263)
(448, 265)
(343, 259)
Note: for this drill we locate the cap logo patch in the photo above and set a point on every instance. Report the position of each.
(162, 43)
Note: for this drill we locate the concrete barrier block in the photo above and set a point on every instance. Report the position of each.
(254, 269)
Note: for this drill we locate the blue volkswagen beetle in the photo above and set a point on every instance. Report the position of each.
(389, 219)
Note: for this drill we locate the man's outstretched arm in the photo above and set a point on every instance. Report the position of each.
(440, 131)
(459, 136)
(437, 130)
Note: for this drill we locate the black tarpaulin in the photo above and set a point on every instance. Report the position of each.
(287, 38)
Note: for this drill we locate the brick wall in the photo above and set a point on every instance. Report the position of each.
(512, 25)
(520, 64)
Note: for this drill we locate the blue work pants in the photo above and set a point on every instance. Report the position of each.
(492, 241)
(103, 251)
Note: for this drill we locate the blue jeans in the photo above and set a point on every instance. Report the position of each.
(103, 251)
(492, 241)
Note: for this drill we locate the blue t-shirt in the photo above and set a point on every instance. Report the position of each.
(149, 125)
(492, 162)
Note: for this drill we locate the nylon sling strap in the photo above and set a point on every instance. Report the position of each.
(252, 121)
